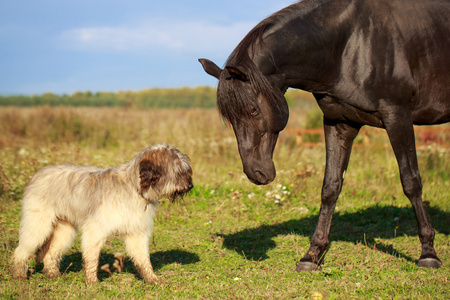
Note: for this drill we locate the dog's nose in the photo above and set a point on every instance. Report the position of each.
(190, 186)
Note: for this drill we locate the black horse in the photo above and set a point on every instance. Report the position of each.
(383, 63)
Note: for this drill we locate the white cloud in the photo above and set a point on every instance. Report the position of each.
(183, 36)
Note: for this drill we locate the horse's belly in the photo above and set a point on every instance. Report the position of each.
(435, 113)
(336, 110)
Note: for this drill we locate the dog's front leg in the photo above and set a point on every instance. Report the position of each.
(137, 248)
(91, 245)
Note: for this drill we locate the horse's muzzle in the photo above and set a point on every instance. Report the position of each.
(259, 176)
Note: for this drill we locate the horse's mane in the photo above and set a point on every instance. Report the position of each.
(234, 103)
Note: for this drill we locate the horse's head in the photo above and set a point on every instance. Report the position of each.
(257, 112)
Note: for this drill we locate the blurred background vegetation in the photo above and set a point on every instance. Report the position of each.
(186, 97)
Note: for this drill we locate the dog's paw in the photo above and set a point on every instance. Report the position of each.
(19, 272)
(153, 279)
(19, 276)
(51, 274)
(91, 281)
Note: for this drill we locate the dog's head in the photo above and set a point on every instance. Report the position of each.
(164, 172)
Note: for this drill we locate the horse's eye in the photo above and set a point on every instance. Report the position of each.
(254, 111)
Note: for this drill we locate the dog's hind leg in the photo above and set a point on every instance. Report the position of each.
(51, 253)
(35, 228)
(137, 248)
(91, 243)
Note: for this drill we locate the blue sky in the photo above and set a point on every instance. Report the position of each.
(63, 46)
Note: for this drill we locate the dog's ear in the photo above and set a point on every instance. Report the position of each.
(149, 174)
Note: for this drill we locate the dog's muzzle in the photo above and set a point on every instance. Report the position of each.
(187, 189)
(179, 194)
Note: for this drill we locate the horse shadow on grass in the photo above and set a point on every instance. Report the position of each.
(364, 226)
(73, 263)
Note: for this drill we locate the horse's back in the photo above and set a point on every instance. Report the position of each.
(426, 31)
(407, 43)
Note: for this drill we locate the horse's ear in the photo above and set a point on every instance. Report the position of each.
(236, 73)
(210, 67)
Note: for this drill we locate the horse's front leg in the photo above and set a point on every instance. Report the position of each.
(338, 140)
(401, 135)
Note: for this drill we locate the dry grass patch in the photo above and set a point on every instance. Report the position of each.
(230, 239)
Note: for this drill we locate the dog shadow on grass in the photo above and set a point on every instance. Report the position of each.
(73, 263)
(364, 226)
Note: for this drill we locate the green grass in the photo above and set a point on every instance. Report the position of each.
(230, 239)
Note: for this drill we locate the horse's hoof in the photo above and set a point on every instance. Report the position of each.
(429, 263)
(307, 266)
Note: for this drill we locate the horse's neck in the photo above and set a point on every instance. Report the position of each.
(301, 45)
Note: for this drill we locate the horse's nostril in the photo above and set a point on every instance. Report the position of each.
(262, 178)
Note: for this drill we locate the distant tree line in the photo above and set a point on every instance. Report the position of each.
(187, 97)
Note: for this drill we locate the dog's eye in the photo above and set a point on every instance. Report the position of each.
(254, 111)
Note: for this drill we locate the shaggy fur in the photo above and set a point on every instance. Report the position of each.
(62, 199)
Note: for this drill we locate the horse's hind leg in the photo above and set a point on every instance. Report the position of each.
(401, 135)
(339, 139)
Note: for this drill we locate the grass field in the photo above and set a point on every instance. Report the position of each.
(230, 239)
